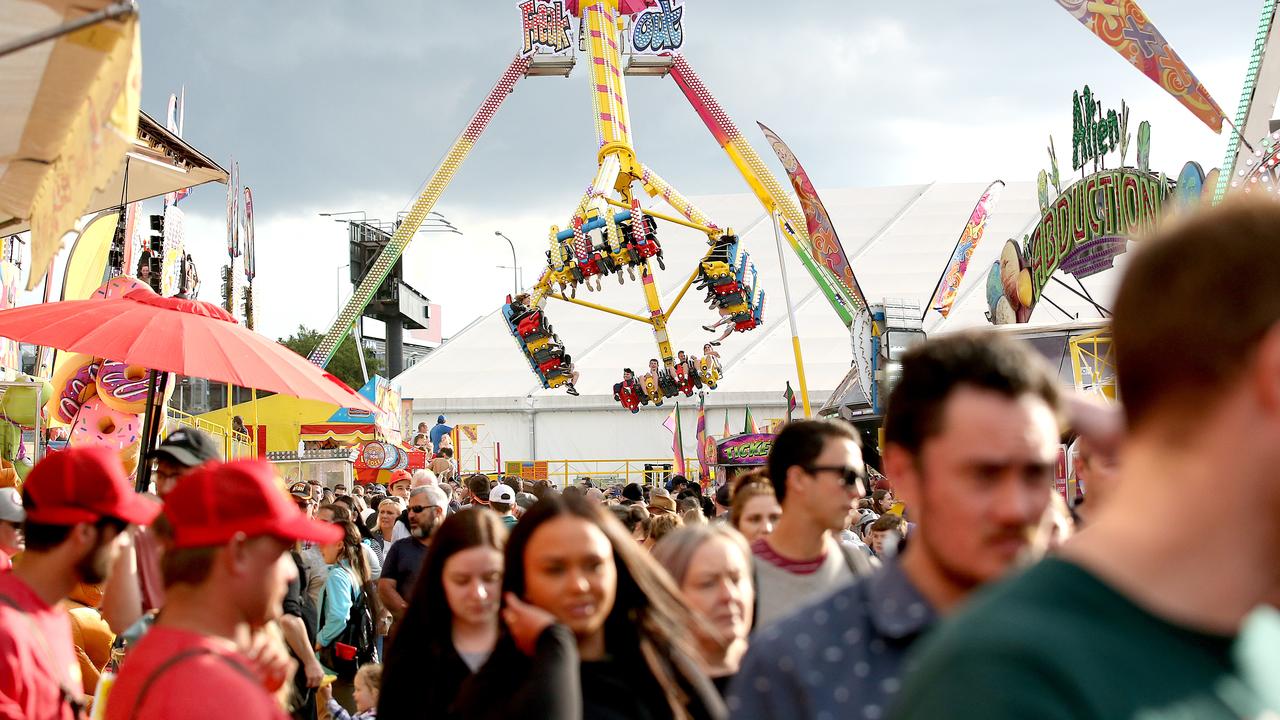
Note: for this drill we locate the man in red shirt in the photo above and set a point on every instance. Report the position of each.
(226, 574)
(78, 504)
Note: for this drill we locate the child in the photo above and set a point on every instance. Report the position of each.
(367, 686)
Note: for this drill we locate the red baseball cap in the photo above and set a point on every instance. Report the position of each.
(399, 475)
(211, 505)
(84, 484)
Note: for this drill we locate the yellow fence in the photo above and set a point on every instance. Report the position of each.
(609, 472)
(235, 446)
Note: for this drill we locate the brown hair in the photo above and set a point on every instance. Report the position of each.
(979, 359)
(1223, 258)
(648, 614)
(800, 443)
(189, 566)
(663, 523)
(746, 486)
(888, 522)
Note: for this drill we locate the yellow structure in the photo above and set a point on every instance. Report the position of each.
(281, 415)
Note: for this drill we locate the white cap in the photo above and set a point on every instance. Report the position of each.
(502, 494)
(11, 506)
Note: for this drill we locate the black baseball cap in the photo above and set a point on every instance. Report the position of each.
(188, 447)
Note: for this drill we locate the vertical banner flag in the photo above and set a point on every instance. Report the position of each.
(727, 431)
(1123, 25)
(672, 423)
(790, 397)
(749, 424)
(706, 446)
(944, 295)
(826, 244)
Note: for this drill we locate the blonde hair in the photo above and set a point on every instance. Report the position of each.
(371, 675)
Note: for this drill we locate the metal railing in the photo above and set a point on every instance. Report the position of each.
(235, 445)
(609, 472)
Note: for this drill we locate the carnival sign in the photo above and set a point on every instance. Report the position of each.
(659, 30)
(750, 449)
(1089, 223)
(545, 28)
(1094, 134)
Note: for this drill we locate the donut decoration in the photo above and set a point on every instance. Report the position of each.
(123, 387)
(74, 383)
(402, 458)
(98, 424)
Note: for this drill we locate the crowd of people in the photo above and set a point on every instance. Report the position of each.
(953, 582)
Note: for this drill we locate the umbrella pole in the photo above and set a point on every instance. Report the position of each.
(150, 428)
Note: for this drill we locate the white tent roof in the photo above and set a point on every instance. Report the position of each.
(898, 239)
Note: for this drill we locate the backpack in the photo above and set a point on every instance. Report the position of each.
(356, 645)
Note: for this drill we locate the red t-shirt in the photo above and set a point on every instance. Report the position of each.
(210, 682)
(36, 653)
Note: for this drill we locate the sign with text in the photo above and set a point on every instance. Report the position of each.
(750, 449)
(659, 30)
(545, 28)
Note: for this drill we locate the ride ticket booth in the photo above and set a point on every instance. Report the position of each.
(741, 453)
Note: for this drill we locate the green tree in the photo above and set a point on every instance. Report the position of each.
(345, 363)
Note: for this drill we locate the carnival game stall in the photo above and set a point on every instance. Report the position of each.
(741, 453)
(331, 468)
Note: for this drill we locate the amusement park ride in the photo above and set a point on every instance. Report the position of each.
(609, 233)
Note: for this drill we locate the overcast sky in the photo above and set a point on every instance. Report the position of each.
(333, 106)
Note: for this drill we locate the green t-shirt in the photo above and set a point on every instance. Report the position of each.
(1056, 643)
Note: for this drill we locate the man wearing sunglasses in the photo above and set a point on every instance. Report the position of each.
(971, 435)
(817, 473)
(427, 507)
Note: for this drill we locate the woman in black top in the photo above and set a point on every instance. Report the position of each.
(593, 628)
(451, 625)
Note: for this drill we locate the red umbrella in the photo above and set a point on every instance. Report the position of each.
(188, 337)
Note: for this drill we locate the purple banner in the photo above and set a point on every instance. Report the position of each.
(750, 449)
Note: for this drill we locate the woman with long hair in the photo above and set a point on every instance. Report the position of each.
(383, 533)
(711, 565)
(349, 578)
(451, 625)
(754, 509)
(593, 627)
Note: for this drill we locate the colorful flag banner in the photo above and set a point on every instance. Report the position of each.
(727, 431)
(827, 249)
(749, 424)
(672, 423)
(790, 397)
(1123, 25)
(944, 295)
(706, 446)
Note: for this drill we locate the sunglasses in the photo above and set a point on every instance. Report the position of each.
(420, 508)
(849, 477)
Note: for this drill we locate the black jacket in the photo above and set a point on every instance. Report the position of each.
(556, 684)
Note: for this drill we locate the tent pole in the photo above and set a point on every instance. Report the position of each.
(145, 444)
(115, 10)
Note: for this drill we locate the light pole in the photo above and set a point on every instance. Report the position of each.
(515, 265)
(337, 291)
